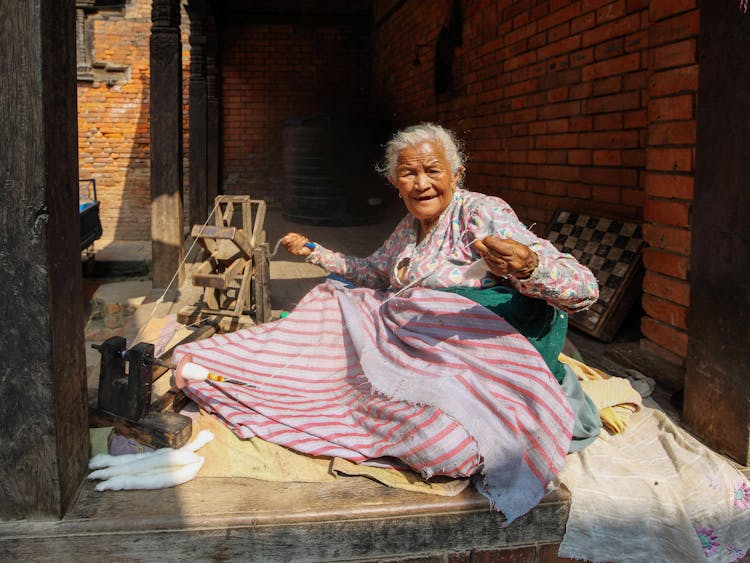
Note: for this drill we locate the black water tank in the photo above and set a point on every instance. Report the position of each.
(329, 174)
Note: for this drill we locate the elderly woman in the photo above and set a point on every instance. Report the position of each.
(448, 229)
(441, 355)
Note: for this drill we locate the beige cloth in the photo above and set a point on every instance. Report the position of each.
(652, 494)
(229, 456)
(614, 397)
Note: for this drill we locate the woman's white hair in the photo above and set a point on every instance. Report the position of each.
(416, 135)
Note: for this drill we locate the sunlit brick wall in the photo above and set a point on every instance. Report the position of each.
(672, 89)
(113, 121)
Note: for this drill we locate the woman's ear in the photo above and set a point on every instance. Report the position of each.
(458, 175)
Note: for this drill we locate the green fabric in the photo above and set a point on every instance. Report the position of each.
(543, 326)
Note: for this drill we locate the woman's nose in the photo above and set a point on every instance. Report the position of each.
(422, 181)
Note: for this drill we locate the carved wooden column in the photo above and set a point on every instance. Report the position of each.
(167, 248)
(212, 109)
(199, 205)
(43, 413)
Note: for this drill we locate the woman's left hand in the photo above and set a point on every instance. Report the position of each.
(506, 257)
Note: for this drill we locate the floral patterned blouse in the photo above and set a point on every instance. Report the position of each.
(446, 257)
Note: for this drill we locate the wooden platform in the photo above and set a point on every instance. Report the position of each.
(353, 519)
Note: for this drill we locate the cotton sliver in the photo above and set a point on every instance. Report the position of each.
(476, 271)
(194, 372)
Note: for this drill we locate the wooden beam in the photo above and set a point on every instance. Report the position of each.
(212, 112)
(350, 519)
(44, 439)
(717, 380)
(199, 203)
(167, 249)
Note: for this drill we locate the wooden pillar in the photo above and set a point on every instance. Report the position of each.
(717, 381)
(167, 250)
(212, 109)
(43, 418)
(199, 205)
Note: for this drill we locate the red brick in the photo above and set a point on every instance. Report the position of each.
(579, 91)
(605, 86)
(610, 139)
(683, 53)
(670, 159)
(667, 263)
(608, 121)
(674, 29)
(582, 23)
(559, 16)
(618, 102)
(636, 5)
(670, 338)
(635, 158)
(613, 48)
(559, 32)
(582, 191)
(607, 158)
(671, 108)
(635, 119)
(633, 197)
(609, 176)
(609, 194)
(583, 157)
(624, 26)
(560, 47)
(667, 8)
(669, 238)
(676, 186)
(677, 291)
(636, 41)
(610, 12)
(618, 65)
(582, 58)
(522, 33)
(674, 81)
(667, 212)
(674, 133)
(594, 4)
(559, 125)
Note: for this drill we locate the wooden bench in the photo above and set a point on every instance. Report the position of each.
(351, 519)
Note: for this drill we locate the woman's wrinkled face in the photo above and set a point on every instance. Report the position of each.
(424, 180)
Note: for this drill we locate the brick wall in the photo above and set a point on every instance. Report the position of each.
(113, 121)
(272, 72)
(672, 90)
(585, 104)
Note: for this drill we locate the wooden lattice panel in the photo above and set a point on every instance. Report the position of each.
(612, 250)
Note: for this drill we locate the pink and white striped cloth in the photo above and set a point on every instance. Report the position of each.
(429, 378)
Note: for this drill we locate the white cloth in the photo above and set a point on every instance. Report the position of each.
(654, 493)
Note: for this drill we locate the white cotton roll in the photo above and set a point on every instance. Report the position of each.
(194, 372)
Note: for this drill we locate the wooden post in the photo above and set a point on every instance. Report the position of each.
(199, 204)
(212, 109)
(717, 381)
(167, 250)
(44, 439)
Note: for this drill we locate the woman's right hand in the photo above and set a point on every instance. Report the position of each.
(295, 244)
